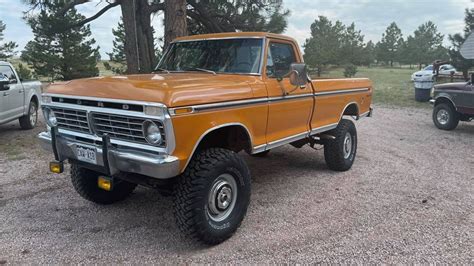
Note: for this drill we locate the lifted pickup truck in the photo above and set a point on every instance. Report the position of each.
(18, 99)
(211, 97)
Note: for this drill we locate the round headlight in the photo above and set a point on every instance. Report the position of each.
(50, 118)
(152, 132)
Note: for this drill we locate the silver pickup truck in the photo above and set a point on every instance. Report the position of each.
(18, 99)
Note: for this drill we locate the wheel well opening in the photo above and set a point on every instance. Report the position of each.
(35, 99)
(446, 101)
(352, 110)
(235, 138)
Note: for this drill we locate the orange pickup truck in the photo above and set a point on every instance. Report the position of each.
(180, 129)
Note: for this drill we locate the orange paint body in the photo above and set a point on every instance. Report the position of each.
(323, 102)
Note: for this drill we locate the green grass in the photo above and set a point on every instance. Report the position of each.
(392, 86)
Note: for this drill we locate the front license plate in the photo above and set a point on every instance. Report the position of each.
(86, 154)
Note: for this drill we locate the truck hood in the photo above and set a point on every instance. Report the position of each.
(173, 90)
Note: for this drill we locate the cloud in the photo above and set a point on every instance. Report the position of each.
(370, 16)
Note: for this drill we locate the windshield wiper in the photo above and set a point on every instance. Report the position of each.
(162, 70)
(204, 70)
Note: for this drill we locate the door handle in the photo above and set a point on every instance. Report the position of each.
(20, 91)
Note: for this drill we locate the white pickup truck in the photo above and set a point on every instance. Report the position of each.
(18, 99)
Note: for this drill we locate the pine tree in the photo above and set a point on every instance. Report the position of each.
(60, 50)
(324, 46)
(388, 47)
(117, 55)
(457, 40)
(352, 46)
(6, 49)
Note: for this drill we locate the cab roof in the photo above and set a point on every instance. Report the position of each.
(226, 35)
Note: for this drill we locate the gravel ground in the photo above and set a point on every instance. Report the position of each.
(408, 199)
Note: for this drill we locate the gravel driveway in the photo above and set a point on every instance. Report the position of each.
(408, 198)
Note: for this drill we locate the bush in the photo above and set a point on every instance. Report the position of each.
(350, 71)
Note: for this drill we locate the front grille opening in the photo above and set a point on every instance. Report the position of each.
(123, 127)
(74, 120)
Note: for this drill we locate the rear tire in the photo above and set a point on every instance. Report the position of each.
(340, 152)
(29, 120)
(212, 196)
(85, 183)
(445, 117)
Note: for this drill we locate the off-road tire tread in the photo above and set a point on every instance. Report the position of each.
(332, 154)
(85, 185)
(187, 193)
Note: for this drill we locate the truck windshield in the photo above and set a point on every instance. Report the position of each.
(237, 56)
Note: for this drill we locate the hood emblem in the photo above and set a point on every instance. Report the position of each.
(125, 107)
(79, 102)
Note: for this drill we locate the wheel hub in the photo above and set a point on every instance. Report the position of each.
(442, 116)
(222, 197)
(33, 114)
(347, 147)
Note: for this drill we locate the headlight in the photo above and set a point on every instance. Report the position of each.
(152, 132)
(50, 117)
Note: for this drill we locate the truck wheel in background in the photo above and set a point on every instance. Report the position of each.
(445, 117)
(212, 196)
(85, 183)
(340, 152)
(29, 120)
(261, 154)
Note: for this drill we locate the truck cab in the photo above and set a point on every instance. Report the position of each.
(18, 99)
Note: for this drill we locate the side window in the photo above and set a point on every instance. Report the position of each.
(7, 72)
(279, 59)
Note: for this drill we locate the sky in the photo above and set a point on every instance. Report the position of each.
(370, 16)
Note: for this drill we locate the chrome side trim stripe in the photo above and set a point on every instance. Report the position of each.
(325, 93)
(240, 103)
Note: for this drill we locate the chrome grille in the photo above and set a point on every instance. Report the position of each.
(75, 120)
(124, 128)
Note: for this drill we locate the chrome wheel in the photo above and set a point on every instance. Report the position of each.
(347, 146)
(442, 116)
(33, 114)
(222, 198)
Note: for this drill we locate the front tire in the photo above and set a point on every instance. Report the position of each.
(212, 196)
(445, 117)
(340, 152)
(30, 120)
(85, 184)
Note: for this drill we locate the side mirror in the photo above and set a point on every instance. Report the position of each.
(298, 74)
(4, 83)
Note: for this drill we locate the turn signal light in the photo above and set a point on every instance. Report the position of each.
(56, 167)
(105, 183)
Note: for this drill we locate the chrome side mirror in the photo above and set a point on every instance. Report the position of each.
(298, 74)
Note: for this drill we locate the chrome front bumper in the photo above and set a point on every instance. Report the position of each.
(117, 159)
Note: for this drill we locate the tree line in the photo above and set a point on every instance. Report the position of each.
(63, 47)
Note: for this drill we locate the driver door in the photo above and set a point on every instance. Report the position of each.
(289, 114)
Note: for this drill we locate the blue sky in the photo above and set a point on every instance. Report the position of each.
(370, 16)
